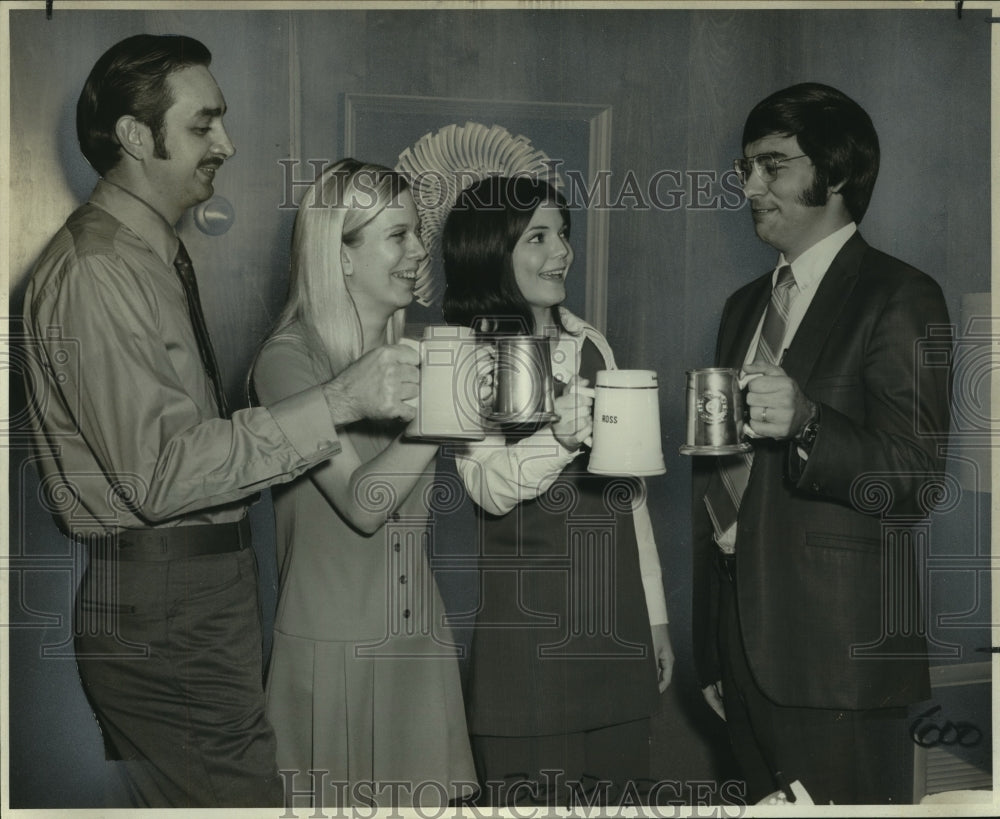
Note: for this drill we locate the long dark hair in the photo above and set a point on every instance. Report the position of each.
(130, 78)
(477, 243)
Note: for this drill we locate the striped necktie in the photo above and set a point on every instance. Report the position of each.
(729, 481)
(185, 272)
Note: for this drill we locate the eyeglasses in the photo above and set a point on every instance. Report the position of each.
(766, 166)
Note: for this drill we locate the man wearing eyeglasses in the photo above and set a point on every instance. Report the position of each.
(809, 633)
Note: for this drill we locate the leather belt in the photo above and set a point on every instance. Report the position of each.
(173, 543)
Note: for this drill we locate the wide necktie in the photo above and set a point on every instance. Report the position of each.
(185, 271)
(729, 481)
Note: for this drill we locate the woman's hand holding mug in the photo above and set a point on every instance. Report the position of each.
(575, 408)
(486, 362)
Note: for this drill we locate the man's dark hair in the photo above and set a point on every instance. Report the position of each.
(130, 78)
(833, 130)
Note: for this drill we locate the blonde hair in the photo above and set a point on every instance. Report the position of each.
(347, 196)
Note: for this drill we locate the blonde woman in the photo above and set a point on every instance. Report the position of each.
(362, 688)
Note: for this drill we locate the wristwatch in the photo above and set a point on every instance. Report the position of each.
(807, 435)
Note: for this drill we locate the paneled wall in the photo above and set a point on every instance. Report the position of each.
(679, 83)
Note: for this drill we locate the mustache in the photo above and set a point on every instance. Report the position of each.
(214, 162)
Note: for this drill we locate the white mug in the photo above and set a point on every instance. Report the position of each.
(451, 373)
(626, 439)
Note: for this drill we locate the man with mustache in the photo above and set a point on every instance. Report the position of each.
(156, 473)
(809, 637)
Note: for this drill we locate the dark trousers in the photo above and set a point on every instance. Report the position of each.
(170, 657)
(579, 769)
(844, 757)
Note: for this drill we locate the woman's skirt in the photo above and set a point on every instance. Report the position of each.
(379, 723)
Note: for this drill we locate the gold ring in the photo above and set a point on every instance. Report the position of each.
(763, 415)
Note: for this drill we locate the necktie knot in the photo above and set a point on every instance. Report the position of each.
(182, 262)
(786, 280)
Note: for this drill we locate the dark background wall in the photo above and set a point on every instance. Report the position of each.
(679, 84)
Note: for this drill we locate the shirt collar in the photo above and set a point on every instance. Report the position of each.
(809, 268)
(573, 324)
(139, 217)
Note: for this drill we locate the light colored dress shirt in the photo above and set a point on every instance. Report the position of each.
(499, 475)
(126, 425)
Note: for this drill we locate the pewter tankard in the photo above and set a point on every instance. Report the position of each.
(522, 381)
(715, 413)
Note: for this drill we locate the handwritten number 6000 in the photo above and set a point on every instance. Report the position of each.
(928, 733)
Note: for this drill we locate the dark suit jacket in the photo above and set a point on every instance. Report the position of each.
(828, 576)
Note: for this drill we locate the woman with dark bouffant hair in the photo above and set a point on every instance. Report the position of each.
(571, 636)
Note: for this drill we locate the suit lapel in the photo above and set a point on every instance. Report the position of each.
(828, 303)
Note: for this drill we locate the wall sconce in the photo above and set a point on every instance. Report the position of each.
(214, 216)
